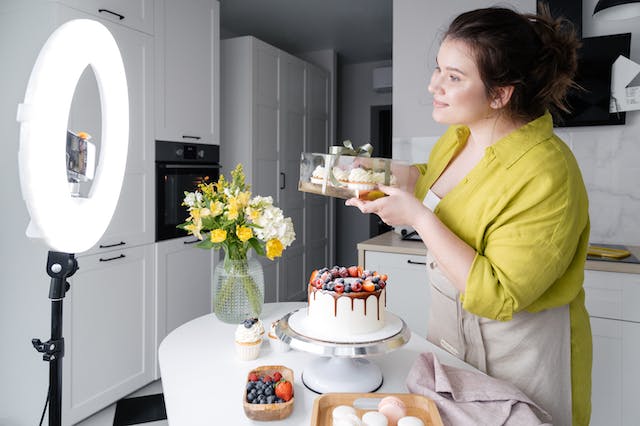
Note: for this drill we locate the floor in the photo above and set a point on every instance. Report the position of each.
(141, 404)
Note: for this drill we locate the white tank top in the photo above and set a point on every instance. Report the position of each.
(431, 200)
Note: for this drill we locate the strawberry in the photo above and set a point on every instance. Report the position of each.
(356, 286)
(284, 390)
(277, 376)
(353, 271)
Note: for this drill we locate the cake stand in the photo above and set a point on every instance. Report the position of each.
(342, 366)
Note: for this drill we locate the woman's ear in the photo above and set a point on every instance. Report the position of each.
(502, 97)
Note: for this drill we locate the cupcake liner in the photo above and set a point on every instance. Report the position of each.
(248, 351)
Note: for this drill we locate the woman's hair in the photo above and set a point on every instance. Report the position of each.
(536, 54)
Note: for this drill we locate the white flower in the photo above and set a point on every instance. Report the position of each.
(190, 199)
(273, 224)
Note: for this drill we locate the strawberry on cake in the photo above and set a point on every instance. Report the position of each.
(348, 301)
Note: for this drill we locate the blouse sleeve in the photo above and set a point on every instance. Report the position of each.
(528, 247)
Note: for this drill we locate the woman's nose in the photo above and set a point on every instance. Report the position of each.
(434, 84)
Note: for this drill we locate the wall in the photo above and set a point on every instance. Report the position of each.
(355, 98)
(608, 155)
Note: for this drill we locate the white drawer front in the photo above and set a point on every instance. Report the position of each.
(613, 295)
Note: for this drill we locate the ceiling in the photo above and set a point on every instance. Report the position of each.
(357, 30)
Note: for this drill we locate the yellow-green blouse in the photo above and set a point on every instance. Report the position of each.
(524, 209)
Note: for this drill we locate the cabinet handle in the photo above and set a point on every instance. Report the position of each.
(411, 262)
(191, 241)
(121, 243)
(109, 259)
(120, 17)
(191, 137)
(283, 182)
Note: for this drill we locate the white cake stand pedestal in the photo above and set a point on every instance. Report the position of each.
(342, 366)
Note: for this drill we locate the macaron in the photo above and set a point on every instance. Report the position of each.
(374, 418)
(393, 408)
(410, 421)
(345, 415)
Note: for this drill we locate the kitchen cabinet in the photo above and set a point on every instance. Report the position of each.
(133, 220)
(187, 71)
(184, 276)
(275, 106)
(612, 299)
(135, 14)
(109, 323)
(409, 294)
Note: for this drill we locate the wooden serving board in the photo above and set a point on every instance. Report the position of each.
(417, 405)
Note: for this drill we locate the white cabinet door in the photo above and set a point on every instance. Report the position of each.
(616, 372)
(136, 14)
(109, 323)
(187, 70)
(133, 221)
(408, 292)
(184, 276)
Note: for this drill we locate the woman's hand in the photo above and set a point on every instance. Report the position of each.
(398, 208)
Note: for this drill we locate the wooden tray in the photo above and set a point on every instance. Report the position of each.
(417, 405)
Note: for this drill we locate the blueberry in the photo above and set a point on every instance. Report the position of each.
(271, 399)
(375, 279)
(268, 391)
(324, 286)
(347, 288)
(250, 386)
(330, 286)
(377, 287)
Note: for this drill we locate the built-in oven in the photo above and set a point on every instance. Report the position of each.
(180, 167)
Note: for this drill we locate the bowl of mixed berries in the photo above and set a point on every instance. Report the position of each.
(268, 393)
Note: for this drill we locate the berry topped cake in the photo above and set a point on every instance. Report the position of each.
(348, 301)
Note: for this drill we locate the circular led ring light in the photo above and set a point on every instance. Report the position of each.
(72, 224)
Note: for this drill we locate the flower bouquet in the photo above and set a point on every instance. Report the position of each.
(224, 215)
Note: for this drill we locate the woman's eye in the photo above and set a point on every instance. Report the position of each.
(453, 78)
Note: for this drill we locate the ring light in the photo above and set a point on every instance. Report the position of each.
(72, 224)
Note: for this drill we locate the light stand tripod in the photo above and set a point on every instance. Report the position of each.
(60, 266)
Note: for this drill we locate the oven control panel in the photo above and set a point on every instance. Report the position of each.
(167, 151)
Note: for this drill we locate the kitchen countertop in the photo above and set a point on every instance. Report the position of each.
(390, 242)
(203, 380)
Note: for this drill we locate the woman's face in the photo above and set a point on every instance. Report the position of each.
(459, 95)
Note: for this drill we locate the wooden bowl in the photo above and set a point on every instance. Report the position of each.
(265, 412)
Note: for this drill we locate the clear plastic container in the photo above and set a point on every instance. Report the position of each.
(343, 176)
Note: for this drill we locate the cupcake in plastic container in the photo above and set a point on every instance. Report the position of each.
(248, 339)
(276, 344)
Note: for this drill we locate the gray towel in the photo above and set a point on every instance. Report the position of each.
(470, 398)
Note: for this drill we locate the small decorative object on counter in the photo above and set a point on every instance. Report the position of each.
(269, 393)
(248, 339)
(224, 216)
(347, 172)
(276, 344)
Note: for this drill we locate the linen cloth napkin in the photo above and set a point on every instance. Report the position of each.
(470, 398)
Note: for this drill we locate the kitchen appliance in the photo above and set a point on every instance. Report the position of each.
(180, 167)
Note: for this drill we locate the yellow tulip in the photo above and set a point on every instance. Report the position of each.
(218, 235)
(274, 248)
(232, 212)
(244, 233)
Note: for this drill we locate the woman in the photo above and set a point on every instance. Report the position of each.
(503, 210)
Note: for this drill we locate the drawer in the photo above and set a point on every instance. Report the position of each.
(612, 295)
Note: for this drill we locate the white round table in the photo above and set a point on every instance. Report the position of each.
(203, 380)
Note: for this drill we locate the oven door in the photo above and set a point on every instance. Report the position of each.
(172, 180)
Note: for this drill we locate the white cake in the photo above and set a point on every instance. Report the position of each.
(335, 309)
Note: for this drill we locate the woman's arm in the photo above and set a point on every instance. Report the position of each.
(453, 255)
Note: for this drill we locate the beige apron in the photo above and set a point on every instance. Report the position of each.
(532, 351)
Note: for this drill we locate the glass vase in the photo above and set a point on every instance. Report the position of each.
(238, 290)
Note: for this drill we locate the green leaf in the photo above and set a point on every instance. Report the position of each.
(205, 244)
(257, 246)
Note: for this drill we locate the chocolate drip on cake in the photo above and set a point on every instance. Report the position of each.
(364, 295)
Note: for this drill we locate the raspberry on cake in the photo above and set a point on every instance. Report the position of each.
(347, 301)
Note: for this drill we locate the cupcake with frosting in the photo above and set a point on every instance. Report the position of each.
(276, 344)
(341, 175)
(378, 177)
(360, 178)
(318, 174)
(248, 338)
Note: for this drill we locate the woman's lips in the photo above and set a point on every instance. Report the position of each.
(438, 104)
